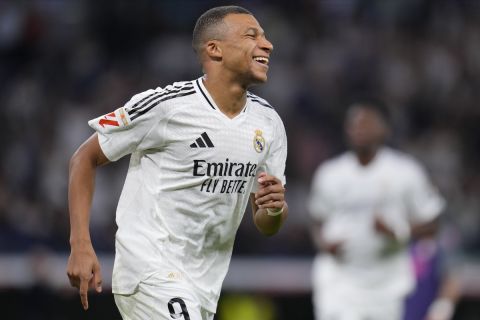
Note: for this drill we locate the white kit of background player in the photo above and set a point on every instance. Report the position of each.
(370, 277)
(191, 173)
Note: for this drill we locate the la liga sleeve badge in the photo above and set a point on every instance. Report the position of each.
(117, 118)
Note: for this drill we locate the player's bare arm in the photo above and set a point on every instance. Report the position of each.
(271, 196)
(427, 229)
(418, 230)
(83, 268)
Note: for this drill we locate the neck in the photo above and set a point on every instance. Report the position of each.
(229, 96)
(366, 155)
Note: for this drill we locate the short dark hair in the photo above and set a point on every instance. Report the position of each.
(206, 23)
(373, 104)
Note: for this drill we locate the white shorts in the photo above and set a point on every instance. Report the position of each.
(337, 297)
(163, 301)
(392, 311)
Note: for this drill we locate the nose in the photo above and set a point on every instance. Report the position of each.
(266, 45)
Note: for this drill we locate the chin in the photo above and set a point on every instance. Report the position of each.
(253, 81)
(257, 79)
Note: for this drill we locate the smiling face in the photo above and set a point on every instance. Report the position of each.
(245, 51)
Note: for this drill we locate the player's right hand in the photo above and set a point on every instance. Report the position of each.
(335, 248)
(84, 272)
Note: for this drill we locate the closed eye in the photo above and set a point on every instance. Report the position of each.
(252, 33)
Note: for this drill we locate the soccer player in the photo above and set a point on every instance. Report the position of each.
(199, 151)
(368, 202)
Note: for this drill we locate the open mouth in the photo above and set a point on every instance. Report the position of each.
(262, 60)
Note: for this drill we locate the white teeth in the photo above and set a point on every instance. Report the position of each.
(263, 60)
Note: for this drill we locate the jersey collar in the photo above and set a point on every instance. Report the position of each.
(208, 100)
(205, 94)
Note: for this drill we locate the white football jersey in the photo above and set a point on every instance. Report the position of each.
(346, 197)
(191, 173)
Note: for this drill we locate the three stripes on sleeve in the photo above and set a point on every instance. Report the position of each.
(150, 101)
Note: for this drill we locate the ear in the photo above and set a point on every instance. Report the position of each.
(213, 50)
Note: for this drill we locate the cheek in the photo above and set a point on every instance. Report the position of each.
(361, 135)
(237, 53)
(244, 49)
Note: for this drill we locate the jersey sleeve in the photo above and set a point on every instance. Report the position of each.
(277, 156)
(130, 128)
(318, 201)
(423, 200)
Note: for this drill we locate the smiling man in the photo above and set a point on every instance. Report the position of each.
(199, 151)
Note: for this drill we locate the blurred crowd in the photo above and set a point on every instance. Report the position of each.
(65, 62)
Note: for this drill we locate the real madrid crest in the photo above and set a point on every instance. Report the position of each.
(258, 141)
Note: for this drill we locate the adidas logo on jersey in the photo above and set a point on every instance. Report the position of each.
(202, 142)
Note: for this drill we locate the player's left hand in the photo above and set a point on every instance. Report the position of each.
(392, 244)
(383, 228)
(271, 193)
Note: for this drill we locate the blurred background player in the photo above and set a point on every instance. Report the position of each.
(200, 150)
(367, 203)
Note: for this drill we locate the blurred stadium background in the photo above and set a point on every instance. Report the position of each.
(65, 62)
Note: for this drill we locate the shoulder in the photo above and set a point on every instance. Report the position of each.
(171, 91)
(150, 99)
(339, 162)
(407, 162)
(334, 166)
(262, 106)
(258, 100)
